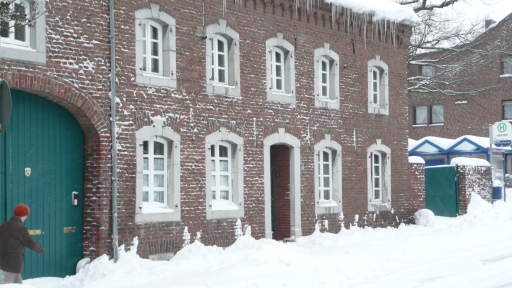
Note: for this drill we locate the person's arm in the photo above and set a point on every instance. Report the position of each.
(28, 242)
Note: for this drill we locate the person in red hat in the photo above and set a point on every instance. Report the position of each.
(14, 238)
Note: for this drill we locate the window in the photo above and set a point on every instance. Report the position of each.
(437, 114)
(155, 47)
(425, 115)
(280, 70)
(224, 175)
(379, 177)
(428, 71)
(378, 99)
(158, 174)
(327, 88)
(328, 176)
(421, 115)
(507, 110)
(507, 65)
(23, 42)
(222, 60)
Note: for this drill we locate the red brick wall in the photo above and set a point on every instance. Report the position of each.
(280, 155)
(417, 186)
(76, 76)
(474, 179)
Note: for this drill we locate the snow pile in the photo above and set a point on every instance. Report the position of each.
(416, 160)
(473, 250)
(469, 161)
(424, 217)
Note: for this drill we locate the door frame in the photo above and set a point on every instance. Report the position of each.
(281, 137)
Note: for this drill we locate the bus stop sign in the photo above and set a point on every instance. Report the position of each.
(5, 105)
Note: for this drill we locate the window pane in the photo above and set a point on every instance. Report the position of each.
(324, 90)
(145, 196)
(326, 169)
(224, 194)
(375, 75)
(326, 156)
(158, 164)
(154, 33)
(278, 71)
(154, 65)
(220, 45)
(212, 150)
(327, 195)
(223, 151)
(146, 163)
(4, 29)
(324, 66)
(144, 66)
(221, 61)
(223, 165)
(214, 195)
(224, 181)
(279, 84)
(377, 193)
(376, 159)
(222, 76)
(421, 115)
(278, 57)
(213, 165)
(20, 32)
(437, 114)
(375, 87)
(158, 181)
(376, 182)
(145, 180)
(507, 109)
(158, 196)
(158, 148)
(326, 182)
(145, 148)
(324, 78)
(154, 49)
(376, 170)
(507, 67)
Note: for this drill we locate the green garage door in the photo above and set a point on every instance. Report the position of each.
(41, 164)
(442, 190)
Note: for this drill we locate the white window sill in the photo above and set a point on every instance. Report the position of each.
(222, 85)
(437, 124)
(151, 208)
(25, 47)
(280, 93)
(155, 75)
(427, 125)
(327, 100)
(506, 76)
(379, 206)
(327, 203)
(223, 205)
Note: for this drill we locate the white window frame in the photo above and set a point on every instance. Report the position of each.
(34, 48)
(217, 64)
(11, 39)
(231, 86)
(151, 189)
(378, 95)
(383, 202)
(217, 173)
(234, 207)
(332, 100)
(287, 93)
(377, 176)
(333, 205)
(147, 42)
(172, 210)
(167, 75)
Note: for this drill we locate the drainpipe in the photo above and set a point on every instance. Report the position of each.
(113, 125)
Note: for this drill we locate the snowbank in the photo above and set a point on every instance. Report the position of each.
(424, 217)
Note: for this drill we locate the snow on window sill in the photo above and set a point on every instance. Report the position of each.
(326, 99)
(281, 93)
(153, 208)
(420, 125)
(327, 203)
(222, 85)
(506, 76)
(218, 205)
(16, 46)
(437, 124)
(155, 75)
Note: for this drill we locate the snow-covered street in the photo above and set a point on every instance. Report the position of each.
(474, 250)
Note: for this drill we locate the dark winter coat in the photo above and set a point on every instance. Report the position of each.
(13, 238)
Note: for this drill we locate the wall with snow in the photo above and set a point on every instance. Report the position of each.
(474, 179)
(417, 185)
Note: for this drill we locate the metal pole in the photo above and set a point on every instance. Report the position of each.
(113, 126)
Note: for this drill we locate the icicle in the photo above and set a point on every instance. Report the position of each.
(223, 7)
(365, 21)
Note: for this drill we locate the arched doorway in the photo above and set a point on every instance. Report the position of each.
(42, 165)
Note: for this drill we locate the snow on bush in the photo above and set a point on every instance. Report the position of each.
(424, 217)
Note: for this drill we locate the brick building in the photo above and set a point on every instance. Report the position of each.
(478, 88)
(268, 112)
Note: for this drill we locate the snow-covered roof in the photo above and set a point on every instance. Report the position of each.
(467, 144)
(465, 161)
(380, 10)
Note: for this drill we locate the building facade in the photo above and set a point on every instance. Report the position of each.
(271, 113)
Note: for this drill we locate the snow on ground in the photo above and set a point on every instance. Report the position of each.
(473, 250)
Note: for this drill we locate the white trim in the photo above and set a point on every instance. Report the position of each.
(336, 204)
(333, 99)
(287, 94)
(233, 208)
(379, 66)
(384, 203)
(173, 172)
(281, 137)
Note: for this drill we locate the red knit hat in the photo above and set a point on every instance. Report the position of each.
(21, 210)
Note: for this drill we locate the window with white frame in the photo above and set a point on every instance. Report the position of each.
(155, 47)
(328, 176)
(378, 95)
(158, 174)
(421, 115)
(222, 60)
(507, 110)
(429, 114)
(25, 42)
(280, 70)
(506, 65)
(224, 175)
(379, 177)
(327, 88)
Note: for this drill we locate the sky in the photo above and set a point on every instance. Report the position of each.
(473, 250)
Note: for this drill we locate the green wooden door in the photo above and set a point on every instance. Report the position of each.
(442, 190)
(41, 164)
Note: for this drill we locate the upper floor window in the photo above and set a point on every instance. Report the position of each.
(24, 42)
(327, 88)
(421, 117)
(158, 174)
(222, 60)
(224, 176)
(429, 114)
(328, 176)
(155, 47)
(507, 65)
(378, 98)
(280, 70)
(507, 110)
(379, 177)
(428, 71)
(437, 114)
